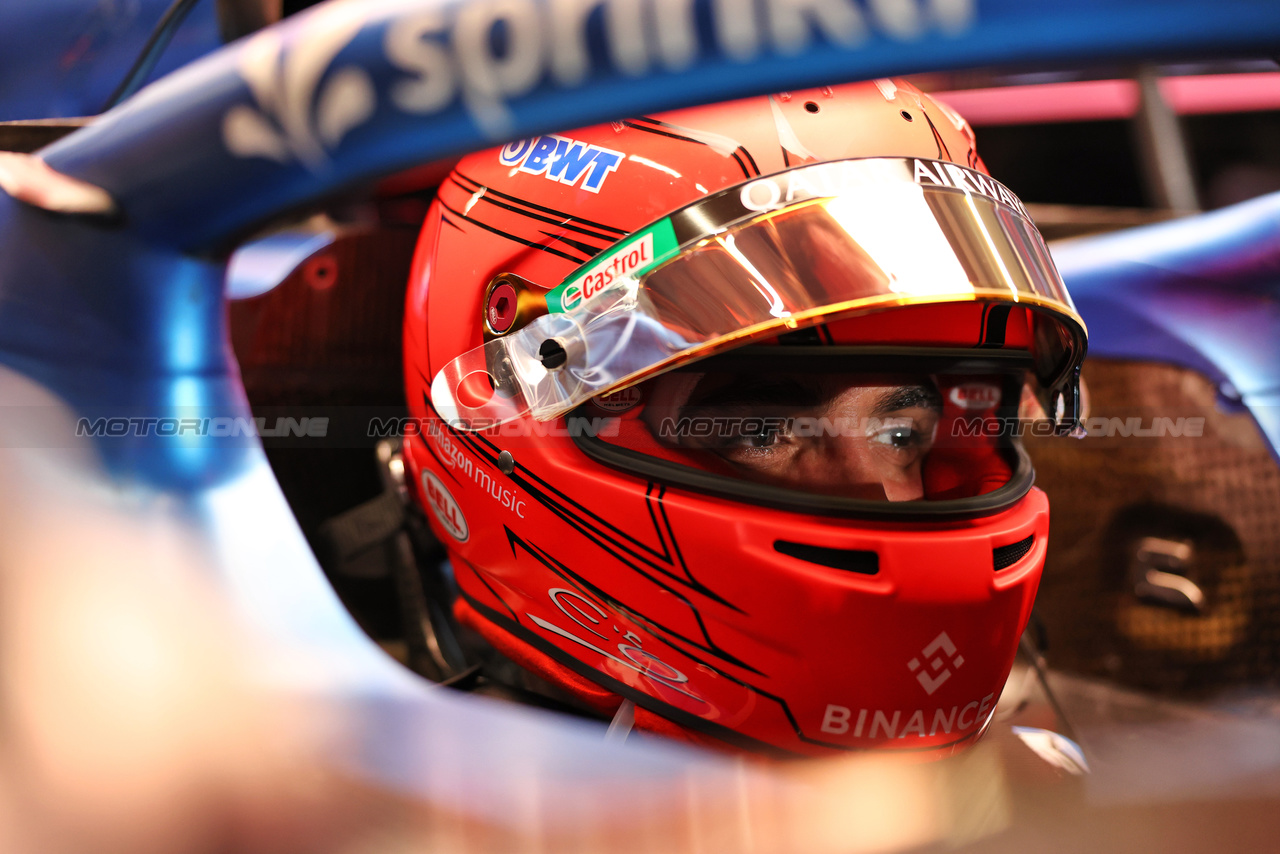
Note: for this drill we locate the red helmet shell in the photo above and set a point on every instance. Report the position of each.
(748, 624)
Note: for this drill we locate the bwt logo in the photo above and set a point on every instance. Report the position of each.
(937, 672)
(562, 160)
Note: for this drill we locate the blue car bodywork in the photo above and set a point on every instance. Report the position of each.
(65, 58)
(1201, 292)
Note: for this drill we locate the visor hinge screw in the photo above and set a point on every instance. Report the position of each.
(552, 354)
(506, 463)
(503, 308)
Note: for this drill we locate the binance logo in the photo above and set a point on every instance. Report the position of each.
(940, 658)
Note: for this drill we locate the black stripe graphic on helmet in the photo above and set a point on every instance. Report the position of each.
(609, 233)
(662, 632)
(680, 716)
(666, 633)
(943, 153)
(552, 250)
(520, 476)
(741, 156)
(653, 516)
(525, 478)
(539, 491)
(592, 251)
(480, 577)
(606, 239)
(666, 524)
(708, 644)
(645, 701)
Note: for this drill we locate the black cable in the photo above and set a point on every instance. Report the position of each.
(1042, 676)
(156, 43)
(462, 679)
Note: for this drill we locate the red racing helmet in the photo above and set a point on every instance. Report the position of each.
(720, 411)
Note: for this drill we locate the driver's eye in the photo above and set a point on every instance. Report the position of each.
(898, 436)
(763, 439)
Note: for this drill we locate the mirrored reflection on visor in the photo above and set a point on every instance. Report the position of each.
(814, 244)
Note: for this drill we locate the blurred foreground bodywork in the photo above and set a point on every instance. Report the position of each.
(111, 302)
(64, 58)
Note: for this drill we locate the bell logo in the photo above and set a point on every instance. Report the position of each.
(618, 401)
(444, 507)
(938, 654)
(975, 396)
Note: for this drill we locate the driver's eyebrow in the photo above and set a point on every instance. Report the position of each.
(753, 391)
(908, 397)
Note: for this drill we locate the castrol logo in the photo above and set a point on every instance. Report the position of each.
(624, 262)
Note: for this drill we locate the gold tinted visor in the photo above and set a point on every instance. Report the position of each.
(810, 245)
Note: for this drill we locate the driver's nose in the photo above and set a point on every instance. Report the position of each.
(850, 467)
(909, 486)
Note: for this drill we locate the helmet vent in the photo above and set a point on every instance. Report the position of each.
(1006, 556)
(849, 560)
(811, 106)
